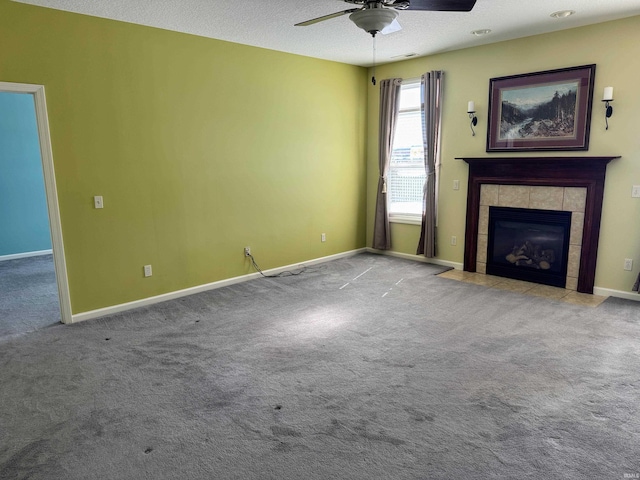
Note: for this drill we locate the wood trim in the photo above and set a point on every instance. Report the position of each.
(587, 172)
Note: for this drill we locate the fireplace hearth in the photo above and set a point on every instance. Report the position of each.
(529, 244)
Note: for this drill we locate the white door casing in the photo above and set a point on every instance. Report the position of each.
(51, 192)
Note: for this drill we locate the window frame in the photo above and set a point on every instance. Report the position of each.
(405, 218)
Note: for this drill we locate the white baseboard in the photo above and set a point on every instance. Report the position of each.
(607, 292)
(123, 307)
(101, 312)
(418, 258)
(25, 255)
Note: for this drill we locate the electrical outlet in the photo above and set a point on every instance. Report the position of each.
(456, 184)
(147, 271)
(635, 191)
(323, 237)
(628, 264)
(247, 251)
(454, 240)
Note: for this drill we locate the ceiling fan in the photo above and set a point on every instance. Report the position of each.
(380, 16)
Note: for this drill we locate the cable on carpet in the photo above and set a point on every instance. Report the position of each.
(286, 273)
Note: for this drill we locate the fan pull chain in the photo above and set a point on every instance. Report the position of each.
(373, 77)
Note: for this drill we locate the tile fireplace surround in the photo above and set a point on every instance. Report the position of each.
(567, 199)
(573, 184)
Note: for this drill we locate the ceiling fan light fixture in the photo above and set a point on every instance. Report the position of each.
(373, 20)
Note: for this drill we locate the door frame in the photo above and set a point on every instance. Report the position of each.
(55, 226)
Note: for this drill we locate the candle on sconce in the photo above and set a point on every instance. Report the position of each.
(471, 107)
(608, 94)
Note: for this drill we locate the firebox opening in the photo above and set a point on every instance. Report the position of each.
(528, 244)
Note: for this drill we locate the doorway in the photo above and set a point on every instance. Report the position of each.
(38, 268)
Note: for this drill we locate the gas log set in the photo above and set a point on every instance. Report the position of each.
(532, 256)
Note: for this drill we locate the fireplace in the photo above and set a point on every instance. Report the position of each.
(577, 183)
(529, 244)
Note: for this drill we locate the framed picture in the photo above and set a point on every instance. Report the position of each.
(548, 110)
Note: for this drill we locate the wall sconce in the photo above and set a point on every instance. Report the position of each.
(607, 98)
(471, 110)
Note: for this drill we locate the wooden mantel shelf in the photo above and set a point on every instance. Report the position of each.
(538, 160)
(569, 171)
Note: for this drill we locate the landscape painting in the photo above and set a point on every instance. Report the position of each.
(541, 111)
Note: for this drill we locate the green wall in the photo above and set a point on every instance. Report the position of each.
(615, 48)
(199, 147)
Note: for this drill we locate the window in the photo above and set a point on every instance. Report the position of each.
(406, 176)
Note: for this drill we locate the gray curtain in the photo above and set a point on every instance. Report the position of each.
(431, 100)
(389, 94)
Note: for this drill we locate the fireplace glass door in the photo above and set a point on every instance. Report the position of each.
(530, 245)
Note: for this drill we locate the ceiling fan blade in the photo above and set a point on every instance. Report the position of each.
(442, 5)
(326, 17)
(392, 27)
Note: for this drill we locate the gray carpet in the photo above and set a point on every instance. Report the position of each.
(28, 295)
(364, 368)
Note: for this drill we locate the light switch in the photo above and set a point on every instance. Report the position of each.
(97, 201)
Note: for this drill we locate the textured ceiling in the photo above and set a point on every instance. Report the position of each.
(270, 24)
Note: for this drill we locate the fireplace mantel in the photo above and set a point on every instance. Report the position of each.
(582, 171)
